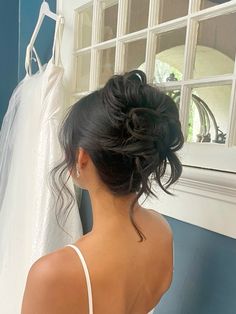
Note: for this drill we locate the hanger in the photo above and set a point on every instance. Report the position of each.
(44, 11)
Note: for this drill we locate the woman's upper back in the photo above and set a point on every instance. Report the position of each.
(126, 276)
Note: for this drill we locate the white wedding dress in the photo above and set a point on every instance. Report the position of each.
(29, 148)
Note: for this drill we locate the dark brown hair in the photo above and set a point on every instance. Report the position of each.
(130, 130)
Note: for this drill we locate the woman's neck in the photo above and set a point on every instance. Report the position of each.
(110, 211)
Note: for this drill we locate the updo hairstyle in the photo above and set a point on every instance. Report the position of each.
(131, 131)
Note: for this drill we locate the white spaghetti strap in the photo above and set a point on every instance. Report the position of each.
(88, 281)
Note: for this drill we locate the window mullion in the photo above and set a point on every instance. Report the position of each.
(184, 108)
(121, 28)
(94, 69)
(210, 81)
(217, 10)
(194, 6)
(134, 36)
(120, 57)
(94, 65)
(150, 56)
(170, 25)
(153, 15)
(96, 22)
(231, 138)
(151, 44)
(189, 57)
(75, 58)
(190, 48)
(122, 17)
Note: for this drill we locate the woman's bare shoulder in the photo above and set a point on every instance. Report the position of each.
(160, 221)
(54, 275)
(54, 266)
(162, 243)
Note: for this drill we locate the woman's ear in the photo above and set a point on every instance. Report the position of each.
(83, 172)
(82, 158)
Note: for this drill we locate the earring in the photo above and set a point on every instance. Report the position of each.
(77, 172)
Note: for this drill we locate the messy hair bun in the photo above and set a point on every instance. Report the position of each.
(131, 130)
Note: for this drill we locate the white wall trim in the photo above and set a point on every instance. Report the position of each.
(205, 198)
(208, 183)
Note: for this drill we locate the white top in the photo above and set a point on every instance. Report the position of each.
(88, 281)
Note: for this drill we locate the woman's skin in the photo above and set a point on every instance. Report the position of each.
(127, 276)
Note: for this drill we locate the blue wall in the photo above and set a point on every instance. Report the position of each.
(17, 21)
(9, 22)
(29, 11)
(205, 273)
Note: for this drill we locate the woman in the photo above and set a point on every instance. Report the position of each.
(117, 140)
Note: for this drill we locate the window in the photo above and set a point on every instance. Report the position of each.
(187, 47)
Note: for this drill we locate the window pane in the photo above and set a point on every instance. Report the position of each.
(84, 32)
(74, 99)
(109, 11)
(175, 95)
(169, 61)
(83, 72)
(107, 64)
(216, 46)
(208, 114)
(137, 15)
(77, 97)
(234, 136)
(172, 9)
(135, 52)
(211, 3)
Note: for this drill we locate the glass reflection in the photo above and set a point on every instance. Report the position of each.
(175, 95)
(172, 9)
(109, 14)
(135, 52)
(211, 3)
(208, 114)
(215, 51)
(137, 15)
(85, 20)
(170, 55)
(107, 64)
(83, 72)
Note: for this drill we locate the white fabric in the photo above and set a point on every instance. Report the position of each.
(88, 281)
(29, 148)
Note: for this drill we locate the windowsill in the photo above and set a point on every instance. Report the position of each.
(218, 157)
(205, 198)
(221, 185)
